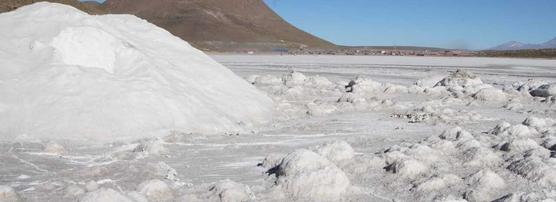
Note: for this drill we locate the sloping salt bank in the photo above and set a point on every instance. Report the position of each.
(67, 75)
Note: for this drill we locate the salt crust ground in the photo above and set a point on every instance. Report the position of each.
(454, 165)
(67, 75)
(509, 162)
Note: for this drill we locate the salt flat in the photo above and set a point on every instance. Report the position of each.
(419, 130)
(385, 68)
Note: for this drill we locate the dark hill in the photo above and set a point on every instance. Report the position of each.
(221, 25)
(216, 25)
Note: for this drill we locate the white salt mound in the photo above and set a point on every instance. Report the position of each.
(430, 81)
(69, 75)
(230, 191)
(105, 195)
(485, 184)
(336, 151)
(156, 190)
(439, 183)
(490, 94)
(162, 169)
(546, 90)
(8, 194)
(307, 176)
(460, 78)
(408, 168)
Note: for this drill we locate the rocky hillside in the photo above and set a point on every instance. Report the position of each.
(222, 25)
(213, 25)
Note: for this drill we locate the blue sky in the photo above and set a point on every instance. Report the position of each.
(469, 24)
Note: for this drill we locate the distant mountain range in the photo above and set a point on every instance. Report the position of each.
(515, 45)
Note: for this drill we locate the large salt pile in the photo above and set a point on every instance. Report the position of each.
(65, 74)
